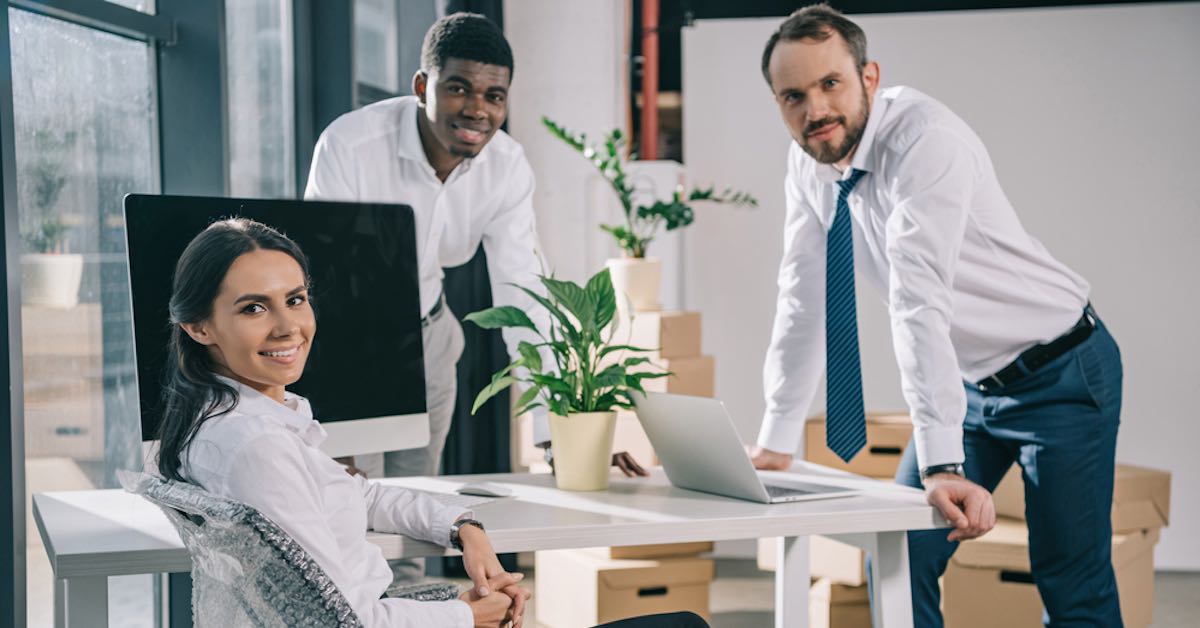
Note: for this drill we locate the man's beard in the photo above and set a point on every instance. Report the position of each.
(827, 153)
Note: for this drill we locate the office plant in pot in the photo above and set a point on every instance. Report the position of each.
(636, 275)
(50, 274)
(574, 370)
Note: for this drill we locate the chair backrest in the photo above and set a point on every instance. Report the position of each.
(245, 569)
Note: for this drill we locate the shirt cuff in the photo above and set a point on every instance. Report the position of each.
(939, 445)
(781, 435)
(445, 519)
(462, 610)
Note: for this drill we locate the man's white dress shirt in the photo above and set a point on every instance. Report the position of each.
(374, 154)
(265, 454)
(967, 288)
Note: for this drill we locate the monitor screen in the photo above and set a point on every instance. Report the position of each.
(367, 359)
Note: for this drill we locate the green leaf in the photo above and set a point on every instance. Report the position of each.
(491, 390)
(611, 348)
(611, 376)
(635, 361)
(553, 384)
(575, 299)
(531, 357)
(503, 316)
(527, 397)
(600, 290)
(523, 409)
(565, 324)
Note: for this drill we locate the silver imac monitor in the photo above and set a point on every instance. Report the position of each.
(365, 376)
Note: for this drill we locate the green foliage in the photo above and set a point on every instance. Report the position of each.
(572, 369)
(43, 180)
(641, 222)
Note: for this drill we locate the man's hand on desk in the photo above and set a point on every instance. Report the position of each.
(630, 467)
(768, 460)
(489, 577)
(965, 504)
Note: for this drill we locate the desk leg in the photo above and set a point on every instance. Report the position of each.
(792, 583)
(81, 602)
(893, 590)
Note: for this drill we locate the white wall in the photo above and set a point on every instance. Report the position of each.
(1089, 115)
(569, 60)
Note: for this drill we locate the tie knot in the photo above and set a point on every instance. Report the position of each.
(848, 183)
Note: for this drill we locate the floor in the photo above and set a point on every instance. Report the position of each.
(741, 597)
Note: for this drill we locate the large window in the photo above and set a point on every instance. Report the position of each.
(83, 109)
(259, 71)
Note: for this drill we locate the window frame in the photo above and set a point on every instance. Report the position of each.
(189, 80)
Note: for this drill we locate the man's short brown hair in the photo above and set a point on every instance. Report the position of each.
(819, 22)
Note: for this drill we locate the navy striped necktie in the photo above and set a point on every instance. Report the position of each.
(845, 422)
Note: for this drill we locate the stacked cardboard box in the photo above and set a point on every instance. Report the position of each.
(838, 569)
(592, 586)
(989, 583)
(589, 587)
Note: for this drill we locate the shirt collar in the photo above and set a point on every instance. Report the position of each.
(294, 414)
(409, 144)
(864, 153)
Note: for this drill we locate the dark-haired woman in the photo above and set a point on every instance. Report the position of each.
(242, 328)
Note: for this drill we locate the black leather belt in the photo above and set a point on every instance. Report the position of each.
(1038, 356)
(435, 312)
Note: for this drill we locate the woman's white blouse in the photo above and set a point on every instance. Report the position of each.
(265, 454)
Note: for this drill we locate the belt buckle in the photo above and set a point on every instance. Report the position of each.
(987, 382)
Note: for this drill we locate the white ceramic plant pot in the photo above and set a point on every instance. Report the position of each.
(582, 445)
(638, 280)
(51, 279)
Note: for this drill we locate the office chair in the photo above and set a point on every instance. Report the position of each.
(248, 571)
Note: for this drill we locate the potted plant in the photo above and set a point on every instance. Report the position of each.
(575, 371)
(50, 274)
(635, 275)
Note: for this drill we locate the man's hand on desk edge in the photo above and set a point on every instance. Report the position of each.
(624, 461)
(768, 460)
(965, 504)
(488, 576)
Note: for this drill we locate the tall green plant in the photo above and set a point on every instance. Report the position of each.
(583, 377)
(642, 222)
(44, 179)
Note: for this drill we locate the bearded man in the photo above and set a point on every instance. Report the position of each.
(1001, 356)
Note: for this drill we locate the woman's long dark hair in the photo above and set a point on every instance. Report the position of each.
(192, 394)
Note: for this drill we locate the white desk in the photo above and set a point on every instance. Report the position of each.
(91, 535)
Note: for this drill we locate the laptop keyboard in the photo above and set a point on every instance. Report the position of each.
(774, 491)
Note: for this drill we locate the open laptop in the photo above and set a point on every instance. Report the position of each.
(700, 450)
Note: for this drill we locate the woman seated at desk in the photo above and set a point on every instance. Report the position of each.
(242, 327)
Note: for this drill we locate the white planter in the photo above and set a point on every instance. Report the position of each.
(582, 445)
(636, 282)
(51, 280)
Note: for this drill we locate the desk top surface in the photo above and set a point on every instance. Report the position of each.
(111, 532)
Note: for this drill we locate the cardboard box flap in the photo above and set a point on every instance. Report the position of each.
(1139, 484)
(640, 574)
(1006, 547)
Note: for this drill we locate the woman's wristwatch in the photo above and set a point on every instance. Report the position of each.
(455, 539)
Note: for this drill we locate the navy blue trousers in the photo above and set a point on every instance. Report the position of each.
(1060, 424)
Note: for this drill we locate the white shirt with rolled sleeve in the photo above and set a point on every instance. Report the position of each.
(265, 454)
(374, 154)
(967, 288)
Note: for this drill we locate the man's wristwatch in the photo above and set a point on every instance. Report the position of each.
(956, 468)
(455, 539)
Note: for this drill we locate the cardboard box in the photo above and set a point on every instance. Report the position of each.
(988, 583)
(585, 588)
(887, 435)
(695, 376)
(1141, 497)
(832, 605)
(665, 550)
(830, 560)
(667, 334)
